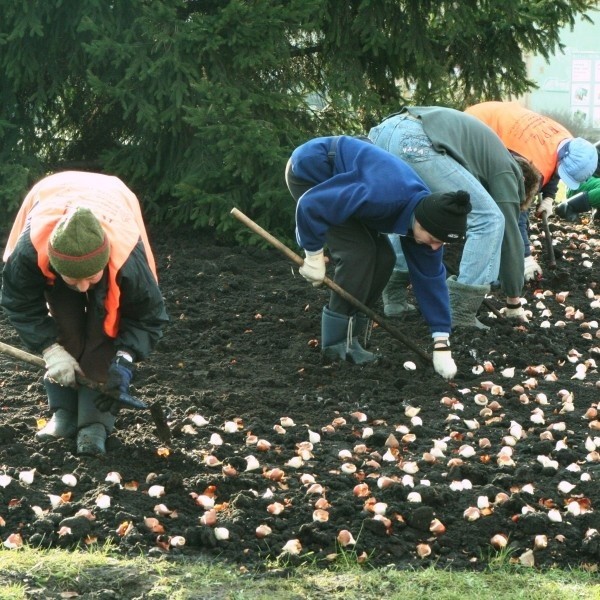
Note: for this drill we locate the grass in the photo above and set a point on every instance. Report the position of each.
(48, 574)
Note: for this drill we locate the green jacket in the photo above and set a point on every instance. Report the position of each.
(592, 187)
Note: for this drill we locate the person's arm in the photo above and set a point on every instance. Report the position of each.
(428, 278)
(23, 300)
(142, 308)
(511, 261)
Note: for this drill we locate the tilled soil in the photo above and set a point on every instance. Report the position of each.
(265, 435)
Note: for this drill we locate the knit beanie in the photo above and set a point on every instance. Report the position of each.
(444, 215)
(78, 247)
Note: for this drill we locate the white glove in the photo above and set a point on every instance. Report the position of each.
(61, 367)
(518, 314)
(313, 269)
(546, 205)
(443, 363)
(532, 269)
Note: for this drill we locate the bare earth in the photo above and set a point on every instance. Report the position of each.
(239, 354)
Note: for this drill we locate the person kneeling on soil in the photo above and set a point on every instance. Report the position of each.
(583, 199)
(79, 285)
(350, 194)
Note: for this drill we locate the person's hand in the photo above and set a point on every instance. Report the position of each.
(532, 269)
(443, 363)
(546, 205)
(515, 314)
(120, 374)
(61, 367)
(313, 269)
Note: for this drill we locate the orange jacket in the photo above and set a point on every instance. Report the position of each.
(113, 204)
(525, 132)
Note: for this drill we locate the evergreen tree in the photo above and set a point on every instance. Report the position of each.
(197, 104)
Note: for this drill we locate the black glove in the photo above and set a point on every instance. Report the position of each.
(120, 374)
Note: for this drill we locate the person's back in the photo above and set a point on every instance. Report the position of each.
(525, 132)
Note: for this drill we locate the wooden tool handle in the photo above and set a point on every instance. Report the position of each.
(240, 216)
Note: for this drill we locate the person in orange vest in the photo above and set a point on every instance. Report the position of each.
(79, 285)
(549, 146)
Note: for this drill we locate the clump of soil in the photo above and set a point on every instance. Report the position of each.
(394, 456)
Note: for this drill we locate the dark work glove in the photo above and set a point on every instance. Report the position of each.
(120, 374)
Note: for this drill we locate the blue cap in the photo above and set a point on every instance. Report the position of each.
(577, 161)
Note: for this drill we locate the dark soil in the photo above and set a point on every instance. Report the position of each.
(241, 348)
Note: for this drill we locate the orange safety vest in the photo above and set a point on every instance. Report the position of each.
(525, 132)
(114, 205)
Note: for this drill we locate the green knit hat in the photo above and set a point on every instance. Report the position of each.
(78, 247)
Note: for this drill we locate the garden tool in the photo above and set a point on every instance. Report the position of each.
(125, 400)
(240, 216)
(548, 238)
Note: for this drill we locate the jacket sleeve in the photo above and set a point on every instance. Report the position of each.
(551, 188)
(428, 278)
(512, 251)
(23, 298)
(142, 309)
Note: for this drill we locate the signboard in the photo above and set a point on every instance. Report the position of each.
(585, 88)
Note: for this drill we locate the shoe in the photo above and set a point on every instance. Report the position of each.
(339, 341)
(91, 440)
(63, 424)
(395, 294)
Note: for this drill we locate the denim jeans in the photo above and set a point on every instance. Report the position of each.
(405, 138)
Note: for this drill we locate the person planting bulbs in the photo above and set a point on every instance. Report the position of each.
(554, 151)
(448, 148)
(79, 286)
(350, 195)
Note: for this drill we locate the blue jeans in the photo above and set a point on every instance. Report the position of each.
(406, 139)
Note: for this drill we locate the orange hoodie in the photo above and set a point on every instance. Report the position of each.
(113, 204)
(525, 132)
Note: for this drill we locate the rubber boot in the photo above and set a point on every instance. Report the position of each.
(91, 440)
(338, 339)
(63, 424)
(570, 209)
(465, 301)
(395, 296)
(360, 334)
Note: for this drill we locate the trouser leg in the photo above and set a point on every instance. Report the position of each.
(363, 262)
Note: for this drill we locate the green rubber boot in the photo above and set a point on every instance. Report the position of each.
(339, 338)
(63, 424)
(91, 440)
(395, 294)
(465, 301)
(360, 335)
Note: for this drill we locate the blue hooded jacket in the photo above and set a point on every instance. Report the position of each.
(370, 184)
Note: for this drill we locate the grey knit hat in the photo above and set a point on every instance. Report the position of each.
(78, 246)
(444, 215)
